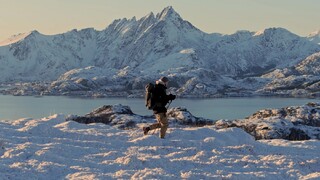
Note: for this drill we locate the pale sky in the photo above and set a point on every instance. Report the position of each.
(301, 17)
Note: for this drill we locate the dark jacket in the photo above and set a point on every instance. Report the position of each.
(161, 99)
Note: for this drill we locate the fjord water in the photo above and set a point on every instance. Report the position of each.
(15, 107)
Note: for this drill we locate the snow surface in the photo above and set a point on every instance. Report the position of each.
(52, 148)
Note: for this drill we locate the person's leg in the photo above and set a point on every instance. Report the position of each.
(156, 125)
(162, 118)
(153, 126)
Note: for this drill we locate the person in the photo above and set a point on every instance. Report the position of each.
(160, 110)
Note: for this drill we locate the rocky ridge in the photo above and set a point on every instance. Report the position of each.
(123, 118)
(291, 123)
(299, 80)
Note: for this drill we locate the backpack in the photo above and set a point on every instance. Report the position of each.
(149, 96)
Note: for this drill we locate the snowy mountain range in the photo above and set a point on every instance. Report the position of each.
(122, 58)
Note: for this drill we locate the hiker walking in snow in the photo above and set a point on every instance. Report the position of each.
(157, 99)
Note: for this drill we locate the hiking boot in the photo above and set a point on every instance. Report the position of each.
(146, 130)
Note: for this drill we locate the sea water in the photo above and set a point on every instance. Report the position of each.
(15, 107)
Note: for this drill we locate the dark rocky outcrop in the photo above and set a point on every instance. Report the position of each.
(118, 115)
(122, 117)
(183, 116)
(291, 123)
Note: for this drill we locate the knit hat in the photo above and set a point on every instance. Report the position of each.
(164, 79)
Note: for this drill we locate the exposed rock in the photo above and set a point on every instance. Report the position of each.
(114, 115)
(291, 123)
(122, 117)
(183, 116)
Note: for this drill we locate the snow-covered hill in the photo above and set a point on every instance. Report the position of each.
(38, 57)
(53, 148)
(131, 52)
(299, 80)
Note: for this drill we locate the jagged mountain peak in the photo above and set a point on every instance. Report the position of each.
(168, 13)
(19, 37)
(241, 34)
(76, 34)
(167, 20)
(81, 31)
(149, 17)
(281, 32)
(33, 35)
(34, 32)
(115, 23)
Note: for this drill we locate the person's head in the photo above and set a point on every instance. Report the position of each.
(163, 80)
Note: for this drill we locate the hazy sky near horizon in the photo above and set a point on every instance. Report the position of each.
(211, 16)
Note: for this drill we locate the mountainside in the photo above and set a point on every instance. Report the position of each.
(299, 80)
(38, 57)
(131, 52)
(315, 37)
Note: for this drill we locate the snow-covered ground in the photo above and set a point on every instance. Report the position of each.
(52, 148)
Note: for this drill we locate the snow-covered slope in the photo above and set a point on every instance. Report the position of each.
(53, 148)
(299, 80)
(14, 39)
(310, 66)
(255, 53)
(39, 57)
